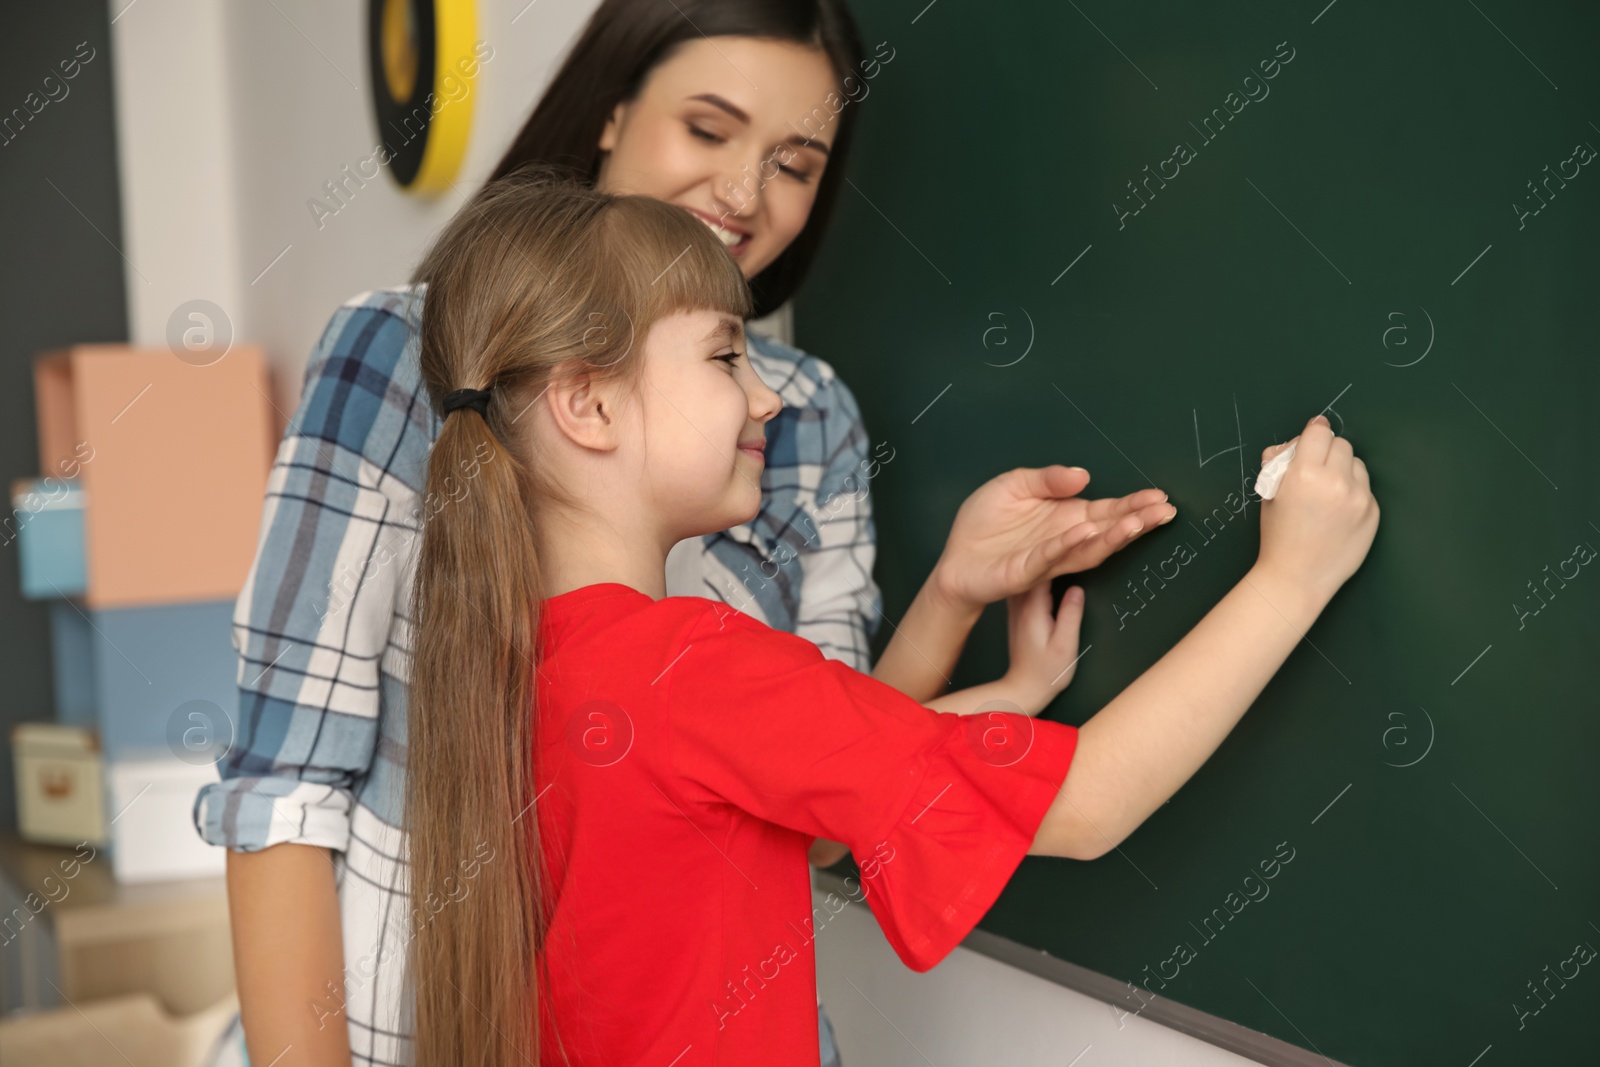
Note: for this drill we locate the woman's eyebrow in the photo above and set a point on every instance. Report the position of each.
(716, 101)
(798, 140)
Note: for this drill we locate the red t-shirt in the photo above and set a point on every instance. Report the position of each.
(687, 756)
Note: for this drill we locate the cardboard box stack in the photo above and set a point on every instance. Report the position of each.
(139, 533)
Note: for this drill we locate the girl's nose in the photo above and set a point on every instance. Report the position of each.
(764, 402)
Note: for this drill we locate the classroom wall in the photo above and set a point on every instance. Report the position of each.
(236, 117)
(233, 118)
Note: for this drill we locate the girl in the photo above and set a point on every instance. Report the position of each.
(658, 99)
(646, 771)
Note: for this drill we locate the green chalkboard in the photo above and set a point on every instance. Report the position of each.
(1380, 230)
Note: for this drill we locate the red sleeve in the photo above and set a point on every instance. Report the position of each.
(938, 809)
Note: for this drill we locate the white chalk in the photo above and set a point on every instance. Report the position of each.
(1272, 474)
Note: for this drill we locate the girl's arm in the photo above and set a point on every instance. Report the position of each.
(1138, 750)
(288, 956)
(1044, 656)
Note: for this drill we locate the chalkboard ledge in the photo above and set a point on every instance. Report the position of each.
(1169, 1013)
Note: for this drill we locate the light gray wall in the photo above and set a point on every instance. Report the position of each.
(242, 113)
(972, 1010)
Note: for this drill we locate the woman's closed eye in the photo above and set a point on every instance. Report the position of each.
(778, 153)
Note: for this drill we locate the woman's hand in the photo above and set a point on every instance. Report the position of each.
(1044, 650)
(1028, 525)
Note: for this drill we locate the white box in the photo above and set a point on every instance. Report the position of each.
(59, 790)
(152, 830)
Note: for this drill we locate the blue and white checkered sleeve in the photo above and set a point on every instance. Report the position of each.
(840, 604)
(318, 605)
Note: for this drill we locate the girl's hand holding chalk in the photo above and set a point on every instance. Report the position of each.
(1272, 474)
(1323, 517)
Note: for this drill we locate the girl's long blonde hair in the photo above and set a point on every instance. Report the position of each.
(533, 278)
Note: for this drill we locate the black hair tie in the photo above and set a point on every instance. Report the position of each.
(468, 398)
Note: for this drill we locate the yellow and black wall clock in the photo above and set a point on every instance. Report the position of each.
(423, 66)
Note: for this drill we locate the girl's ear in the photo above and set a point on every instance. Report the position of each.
(583, 409)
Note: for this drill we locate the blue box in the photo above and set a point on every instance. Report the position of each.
(72, 657)
(47, 526)
(149, 662)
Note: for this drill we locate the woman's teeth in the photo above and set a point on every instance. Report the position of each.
(726, 236)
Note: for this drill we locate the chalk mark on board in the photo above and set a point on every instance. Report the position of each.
(1502, 833)
(1198, 453)
(1502, 433)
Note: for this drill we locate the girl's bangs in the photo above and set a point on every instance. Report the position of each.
(667, 261)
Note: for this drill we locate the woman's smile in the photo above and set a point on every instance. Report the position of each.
(733, 237)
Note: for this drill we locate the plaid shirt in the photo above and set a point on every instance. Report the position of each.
(324, 632)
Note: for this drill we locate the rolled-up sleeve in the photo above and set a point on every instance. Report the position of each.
(317, 614)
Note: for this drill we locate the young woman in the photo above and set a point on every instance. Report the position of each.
(739, 112)
(644, 898)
